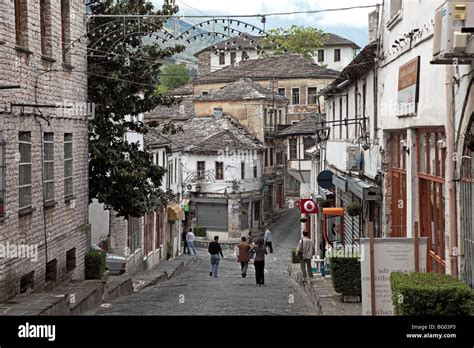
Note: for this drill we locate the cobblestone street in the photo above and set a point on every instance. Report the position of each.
(196, 293)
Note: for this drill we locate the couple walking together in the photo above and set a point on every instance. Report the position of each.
(244, 255)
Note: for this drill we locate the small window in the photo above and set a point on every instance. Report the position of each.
(21, 22)
(68, 166)
(265, 121)
(282, 91)
(266, 157)
(25, 167)
(45, 27)
(219, 170)
(65, 29)
(205, 93)
(52, 271)
(70, 260)
(395, 8)
(245, 56)
(307, 144)
(233, 57)
(271, 157)
(279, 158)
(27, 282)
(242, 170)
(222, 58)
(48, 167)
(280, 119)
(201, 169)
(293, 149)
(295, 96)
(312, 95)
(337, 55)
(320, 56)
(255, 171)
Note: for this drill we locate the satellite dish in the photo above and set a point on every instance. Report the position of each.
(189, 187)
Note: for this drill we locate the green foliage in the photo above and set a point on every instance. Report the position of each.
(172, 76)
(326, 203)
(95, 264)
(430, 294)
(200, 231)
(297, 39)
(345, 274)
(121, 175)
(353, 209)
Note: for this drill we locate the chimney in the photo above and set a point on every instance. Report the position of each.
(374, 25)
(218, 112)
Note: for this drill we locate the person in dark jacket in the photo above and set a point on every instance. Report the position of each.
(259, 263)
(215, 249)
(185, 243)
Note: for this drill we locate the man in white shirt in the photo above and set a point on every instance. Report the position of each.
(306, 251)
(190, 240)
(268, 240)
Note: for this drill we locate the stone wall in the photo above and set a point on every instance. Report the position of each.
(54, 229)
(204, 63)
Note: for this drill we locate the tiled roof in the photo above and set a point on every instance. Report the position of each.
(181, 111)
(155, 138)
(187, 89)
(209, 135)
(243, 89)
(251, 42)
(309, 125)
(286, 66)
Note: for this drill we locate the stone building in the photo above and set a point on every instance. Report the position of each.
(43, 145)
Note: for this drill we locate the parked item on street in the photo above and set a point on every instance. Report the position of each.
(190, 240)
(244, 255)
(115, 264)
(268, 240)
(307, 250)
(215, 250)
(259, 263)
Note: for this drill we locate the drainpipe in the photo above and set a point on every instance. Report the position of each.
(450, 170)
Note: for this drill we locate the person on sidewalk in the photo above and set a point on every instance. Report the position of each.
(244, 256)
(215, 249)
(259, 263)
(306, 251)
(190, 240)
(268, 240)
(185, 242)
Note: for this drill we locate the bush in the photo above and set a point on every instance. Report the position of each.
(430, 294)
(294, 256)
(95, 264)
(354, 209)
(345, 274)
(326, 203)
(200, 231)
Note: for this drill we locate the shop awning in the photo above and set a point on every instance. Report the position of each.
(175, 212)
(364, 190)
(333, 211)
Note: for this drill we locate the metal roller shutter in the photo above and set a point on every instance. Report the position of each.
(351, 223)
(213, 216)
(244, 218)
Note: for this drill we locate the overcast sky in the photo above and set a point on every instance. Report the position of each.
(352, 24)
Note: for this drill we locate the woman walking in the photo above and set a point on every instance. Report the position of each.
(259, 263)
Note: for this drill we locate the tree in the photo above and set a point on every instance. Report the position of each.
(123, 75)
(173, 76)
(297, 39)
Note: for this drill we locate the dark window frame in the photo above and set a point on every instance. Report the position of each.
(219, 170)
(337, 55)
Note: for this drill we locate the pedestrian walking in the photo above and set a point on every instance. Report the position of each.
(215, 249)
(185, 242)
(244, 256)
(306, 251)
(250, 238)
(268, 240)
(259, 263)
(190, 240)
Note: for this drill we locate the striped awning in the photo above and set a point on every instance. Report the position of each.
(175, 212)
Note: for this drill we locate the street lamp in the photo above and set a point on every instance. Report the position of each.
(322, 134)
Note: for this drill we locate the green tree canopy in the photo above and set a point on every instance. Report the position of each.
(122, 82)
(173, 76)
(297, 39)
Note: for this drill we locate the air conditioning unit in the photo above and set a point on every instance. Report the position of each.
(193, 187)
(353, 159)
(449, 41)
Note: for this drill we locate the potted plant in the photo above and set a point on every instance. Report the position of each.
(2, 206)
(354, 209)
(326, 203)
(470, 141)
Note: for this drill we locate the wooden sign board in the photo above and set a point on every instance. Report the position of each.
(408, 88)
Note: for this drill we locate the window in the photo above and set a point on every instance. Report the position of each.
(271, 157)
(245, 56)
(222, 58)
(337, 55)
(204, 93)
(293, 149)
(307, 144)
(233, 57)
(266, 157)
(312, 95)
(133, 234)
(279, 158)
(242, 170)
(255, 171)
(65, 29)
(52, 270)
(25, 170)
(27, 282)
(280, 119)
(395, 8)
(164, 159)
(219, 170)
(2, 176)
(295, 96)
(271, 118)
(68, 166)
(320, 56)
(45, 27)
(340, 117)
(282, 91)
(201, 169)
(21, 22)
(265, 121)
(70, 260)
(48, 167)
